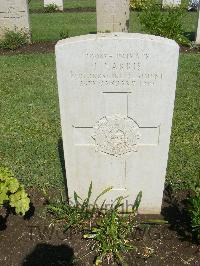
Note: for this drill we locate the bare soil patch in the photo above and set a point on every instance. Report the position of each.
(36, 241)
(49, 47)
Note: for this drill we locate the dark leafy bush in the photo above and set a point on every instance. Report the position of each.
(14, 39)
(166, 23)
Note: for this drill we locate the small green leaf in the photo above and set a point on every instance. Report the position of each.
(137, 202)
(20, 201)
(102, 193)
(3, 197)
(12, 184)
(5, 174)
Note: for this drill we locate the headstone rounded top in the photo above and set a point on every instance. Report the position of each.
(118, 35)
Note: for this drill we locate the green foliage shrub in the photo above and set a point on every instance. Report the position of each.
(77, 215)
(12, 192)
(109, 228)
(50, 8)
(14, 39)
(166, 23)
(112, 232)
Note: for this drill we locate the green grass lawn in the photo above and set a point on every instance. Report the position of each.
(30, 121)
(46, 27)
(38, 4)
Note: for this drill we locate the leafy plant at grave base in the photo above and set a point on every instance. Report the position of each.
(64, 34)
(112, 231)
(166, 23)
(50, 8)
(78, 215)
(14, 39)
(12, 192)
(194, 209)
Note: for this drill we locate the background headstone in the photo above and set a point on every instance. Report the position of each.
(13, 16)
(171, 2)
(112, 15)
(198, 28)
(59, 3)
(116, 102)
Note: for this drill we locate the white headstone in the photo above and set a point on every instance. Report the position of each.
(198, 29)
(59, 3)
(13, 16)
(116, 94)
(171, 2)
(112, 15)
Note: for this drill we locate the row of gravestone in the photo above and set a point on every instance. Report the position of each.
(112, 15)
(116, 102)
(60, 4)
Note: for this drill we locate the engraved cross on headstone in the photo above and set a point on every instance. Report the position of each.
(116, 133)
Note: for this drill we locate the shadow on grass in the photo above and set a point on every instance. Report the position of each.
(175, 211)
(45, 254)
(62, 163)
(190, 35)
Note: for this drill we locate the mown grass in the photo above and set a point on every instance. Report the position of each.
(184, 157)
(47, 27)
(30, 124)
(30, 121)
(38, 4)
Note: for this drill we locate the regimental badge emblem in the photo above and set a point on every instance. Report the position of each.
(116, 135)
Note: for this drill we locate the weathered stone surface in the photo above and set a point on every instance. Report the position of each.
(13, 16)
(117, 96)
(112, 15)
(59, 3)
